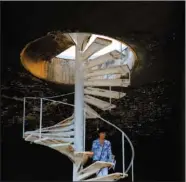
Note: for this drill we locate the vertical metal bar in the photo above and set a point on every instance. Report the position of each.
(121, 52)
(123, 152)
(41, 115)
(84, 129)
(129, 76)
(24, 103)
(133, 171)
(110, 96)
(79, 105)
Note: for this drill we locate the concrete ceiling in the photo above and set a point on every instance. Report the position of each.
(155, 28)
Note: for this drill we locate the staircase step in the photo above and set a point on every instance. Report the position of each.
(82, 156)
(64, 129)
(53, 129)
(107, 82)
(30, 137)
(36, 136)
(92, 169)
(67, 120)
(53, 134)
(90, 113)
(102, 59)
(58, 134)
(83, 39)
(96, 45)
(47, 141)
(98, 103)
(104, 93)
(58, 145)
(106, 77)
(122, 70)
(59, 126)
(73, 37)
(64, 148)
(62, 124)
(110, 177)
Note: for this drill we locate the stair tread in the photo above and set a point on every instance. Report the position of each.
(90, 113)
(107, 82)
(34, 138)
(103, 93)
(113, 176)
(102, 59)
(92, 169)
(98, 103)
(97, 164)
(81, 154)
(95, 46)
(122, 70)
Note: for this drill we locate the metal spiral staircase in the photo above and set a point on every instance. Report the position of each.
(112, 69)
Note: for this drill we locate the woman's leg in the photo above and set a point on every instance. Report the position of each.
(103, 172)
(99, 173)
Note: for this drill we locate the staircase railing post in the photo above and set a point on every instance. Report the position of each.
(129, 76)
(41, 115)
(132, 171)
(84, 129)
(123, 152)
(110, 99)
(24, 104)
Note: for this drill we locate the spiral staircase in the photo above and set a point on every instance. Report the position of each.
(101, 72)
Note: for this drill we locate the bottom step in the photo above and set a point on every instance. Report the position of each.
(110, 177)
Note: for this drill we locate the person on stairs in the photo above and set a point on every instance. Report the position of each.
(101, 151)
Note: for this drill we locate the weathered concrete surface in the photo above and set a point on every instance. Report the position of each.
(37, 56)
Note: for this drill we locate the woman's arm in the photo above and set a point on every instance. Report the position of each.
(93, 149)
(109, 153)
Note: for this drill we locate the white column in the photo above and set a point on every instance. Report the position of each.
(79, 104)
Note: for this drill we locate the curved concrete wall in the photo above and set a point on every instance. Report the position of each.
(38, 57)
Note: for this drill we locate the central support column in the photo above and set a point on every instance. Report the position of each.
(79, 105)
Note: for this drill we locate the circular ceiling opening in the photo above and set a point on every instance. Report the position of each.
(127, 54)
(52, 57)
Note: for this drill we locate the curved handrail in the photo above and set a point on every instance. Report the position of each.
(59, 102)
(123, 133)
(59, 95)
(56, 96)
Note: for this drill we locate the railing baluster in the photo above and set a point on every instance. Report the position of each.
(110, 99)
(123, 151)
(84, 129)
(132, 171)
(41, 115)
(24, 103)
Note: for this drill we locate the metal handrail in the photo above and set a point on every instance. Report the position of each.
(123, 133)
(60, 102)
(49, 97)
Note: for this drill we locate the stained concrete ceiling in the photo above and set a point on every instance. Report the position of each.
(156, 29)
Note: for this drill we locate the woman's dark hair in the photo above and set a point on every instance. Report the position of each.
(101, 130)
